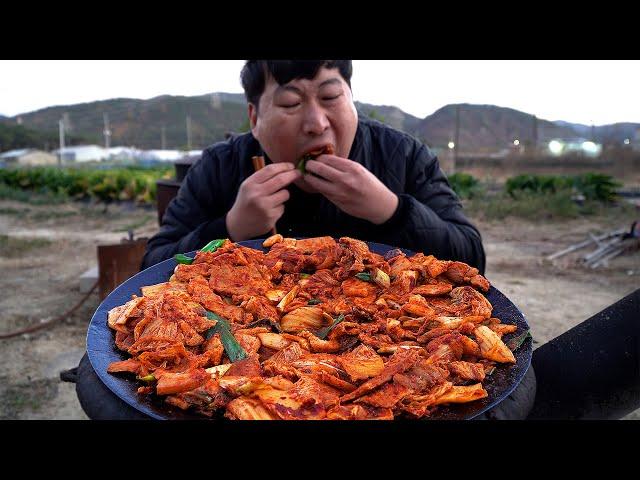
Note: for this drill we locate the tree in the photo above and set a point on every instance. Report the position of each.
(245, 127)
(376, 116)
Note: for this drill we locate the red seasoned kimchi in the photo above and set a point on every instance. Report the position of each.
(313, 329)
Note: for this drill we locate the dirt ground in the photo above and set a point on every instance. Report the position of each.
(45, 248)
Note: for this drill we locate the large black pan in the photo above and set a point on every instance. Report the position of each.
(102, 351)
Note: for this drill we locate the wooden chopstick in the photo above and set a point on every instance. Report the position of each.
(258, 163)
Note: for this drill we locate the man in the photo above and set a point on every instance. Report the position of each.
(380, 184)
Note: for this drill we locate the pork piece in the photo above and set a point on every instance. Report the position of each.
(289, 405)
(206, 399)
(170, 382)
(239, 280)
(359, 412)
(420, 405)
(322, 285)
(321, 346)
(354, 257)
(422, 376)
(418, 306)
(309, 391)
(175, 357)
(184, 273)
(200, 291)
(467, 370)
(247, 367)
(386, 396)
(502, 329)
(250, 343)
(453, 340)
(354, 287)
(404, 282)
(130, 365)
(214, 348)
(477, 303)
(399, 362)
(401, 263)
(460, 273)
(294, 256)
(260, 308)
(431, 290)
(280, 362)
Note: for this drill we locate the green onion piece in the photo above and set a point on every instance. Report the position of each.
(305, 275)
(231, 346)
(302, 164)
(516, 342)
(213, 245)
(323, 332)
(147, 378)
(364, 276)
(182, 258)
(314, 301)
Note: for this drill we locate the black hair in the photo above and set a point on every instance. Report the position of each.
(254, 73)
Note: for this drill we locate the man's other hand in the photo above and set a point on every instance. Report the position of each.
(352, 188)
(260, 201)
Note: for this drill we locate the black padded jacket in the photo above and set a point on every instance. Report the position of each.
(429, 217)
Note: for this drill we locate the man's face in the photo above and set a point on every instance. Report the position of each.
(305, 115)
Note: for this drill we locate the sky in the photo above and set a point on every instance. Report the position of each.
(580, 91)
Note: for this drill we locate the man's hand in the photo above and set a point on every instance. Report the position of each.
(352, 188)
(260, 200)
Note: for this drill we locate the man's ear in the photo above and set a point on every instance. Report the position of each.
(253, 116)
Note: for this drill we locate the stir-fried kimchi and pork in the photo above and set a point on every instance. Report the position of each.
(313, 329)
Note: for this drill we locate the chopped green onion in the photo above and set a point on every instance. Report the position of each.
(147, 378)
(231, 346)
(182, 258)
(305, 275)
(213, 245)
(314, 301)
(302, 164)
(516, 342)
(323, 332)
(364, 276)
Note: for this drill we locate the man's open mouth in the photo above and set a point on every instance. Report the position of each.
(327, 149)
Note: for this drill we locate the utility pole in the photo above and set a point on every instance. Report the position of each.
(163, 139)
(188, 132)
(456, 141)
(61, 131)
(535, 135)
(107, 132)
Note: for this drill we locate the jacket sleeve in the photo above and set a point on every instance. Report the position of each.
(429, 217)
(194, 217)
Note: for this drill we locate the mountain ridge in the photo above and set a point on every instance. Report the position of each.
(161, 121)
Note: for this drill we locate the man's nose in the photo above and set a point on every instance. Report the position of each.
(315, 121)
